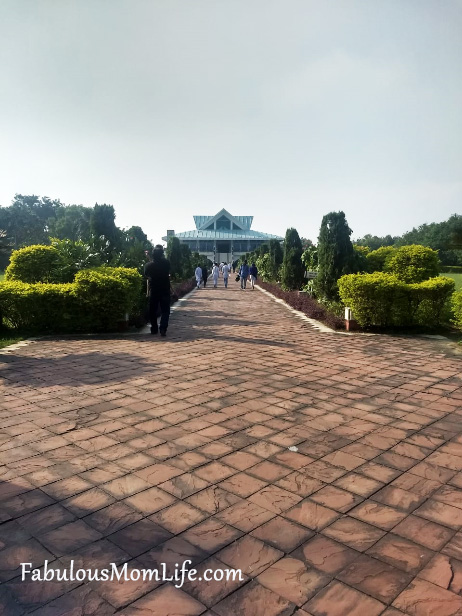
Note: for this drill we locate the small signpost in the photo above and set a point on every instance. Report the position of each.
(311, 275)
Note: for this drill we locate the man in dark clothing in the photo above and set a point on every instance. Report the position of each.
(158, 273)
(205, 275)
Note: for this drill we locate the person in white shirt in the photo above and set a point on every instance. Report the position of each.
(215, 274)
(225, 274)
(198, 275)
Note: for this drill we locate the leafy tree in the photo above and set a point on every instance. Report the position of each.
(200, 260)
(26, 220)
(292, 268)
(373, 241)
(442, 236)
(106, 236)
(336, 254)
(310, 258)
(72, 222)
(75, 256)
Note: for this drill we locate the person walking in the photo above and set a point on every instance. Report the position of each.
(157, 272)
(244, 274)
(215, 274)
(205, 275)
(253, 275)
(198, 275)
(225, 274)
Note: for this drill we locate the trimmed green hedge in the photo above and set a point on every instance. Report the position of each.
(35, 264)
(456, 307)
(97, 300)
(383, 300)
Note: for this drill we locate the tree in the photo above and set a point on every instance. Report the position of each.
(174, 255)
(72, 222)
(106, 236)
(26, 221)
(336, 255)
(276, 258)
(292, 268)
(373, 241)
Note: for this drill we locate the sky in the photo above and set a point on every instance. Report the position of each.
(285, 110)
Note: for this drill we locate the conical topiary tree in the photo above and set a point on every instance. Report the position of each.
(292, 267)
(336, 255)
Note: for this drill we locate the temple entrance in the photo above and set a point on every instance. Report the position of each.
(223, 251)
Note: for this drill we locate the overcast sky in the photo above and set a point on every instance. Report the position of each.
(284, 110)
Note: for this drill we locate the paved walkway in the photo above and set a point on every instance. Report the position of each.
(147, 450)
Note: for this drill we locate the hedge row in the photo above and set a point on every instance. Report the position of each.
(97, 300)
(456, 307)
(306, 304)
(383, 300)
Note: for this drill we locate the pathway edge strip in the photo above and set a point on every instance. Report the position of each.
(316, 324)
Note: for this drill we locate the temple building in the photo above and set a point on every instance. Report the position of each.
(223, 237)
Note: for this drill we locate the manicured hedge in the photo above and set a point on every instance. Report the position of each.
(97, 300)
(35, 264)
(456, 307)
(381, 299)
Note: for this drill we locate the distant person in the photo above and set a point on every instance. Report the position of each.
(226, 268)
(157, 272)
(253, 275)
(215, 274)
(205, 275)
(244, 274)
(234, 266)
(198, 275)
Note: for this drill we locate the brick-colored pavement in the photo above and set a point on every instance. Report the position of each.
(147, 450)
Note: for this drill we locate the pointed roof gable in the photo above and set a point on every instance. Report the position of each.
(241, 222)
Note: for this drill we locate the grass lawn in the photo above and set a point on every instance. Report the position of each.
(8, 338)
(456, 277)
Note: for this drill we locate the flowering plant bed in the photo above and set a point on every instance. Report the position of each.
(306, 304)
(179, 289)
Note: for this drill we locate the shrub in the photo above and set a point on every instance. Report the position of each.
(265, 268)
(377, 258)
(35, 264)
(97, 300)
(382, 299)
(374, 298)
(413, 263)
(456, 307)
(39, 307)
(106, 295)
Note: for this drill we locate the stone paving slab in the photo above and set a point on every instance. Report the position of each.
(328, 468)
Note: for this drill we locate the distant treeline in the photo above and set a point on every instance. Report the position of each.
(34, 220)
(443, 236)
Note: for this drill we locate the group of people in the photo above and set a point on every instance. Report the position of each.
(248, 273)
(245, 273)
(157, 273)
(202, 274)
